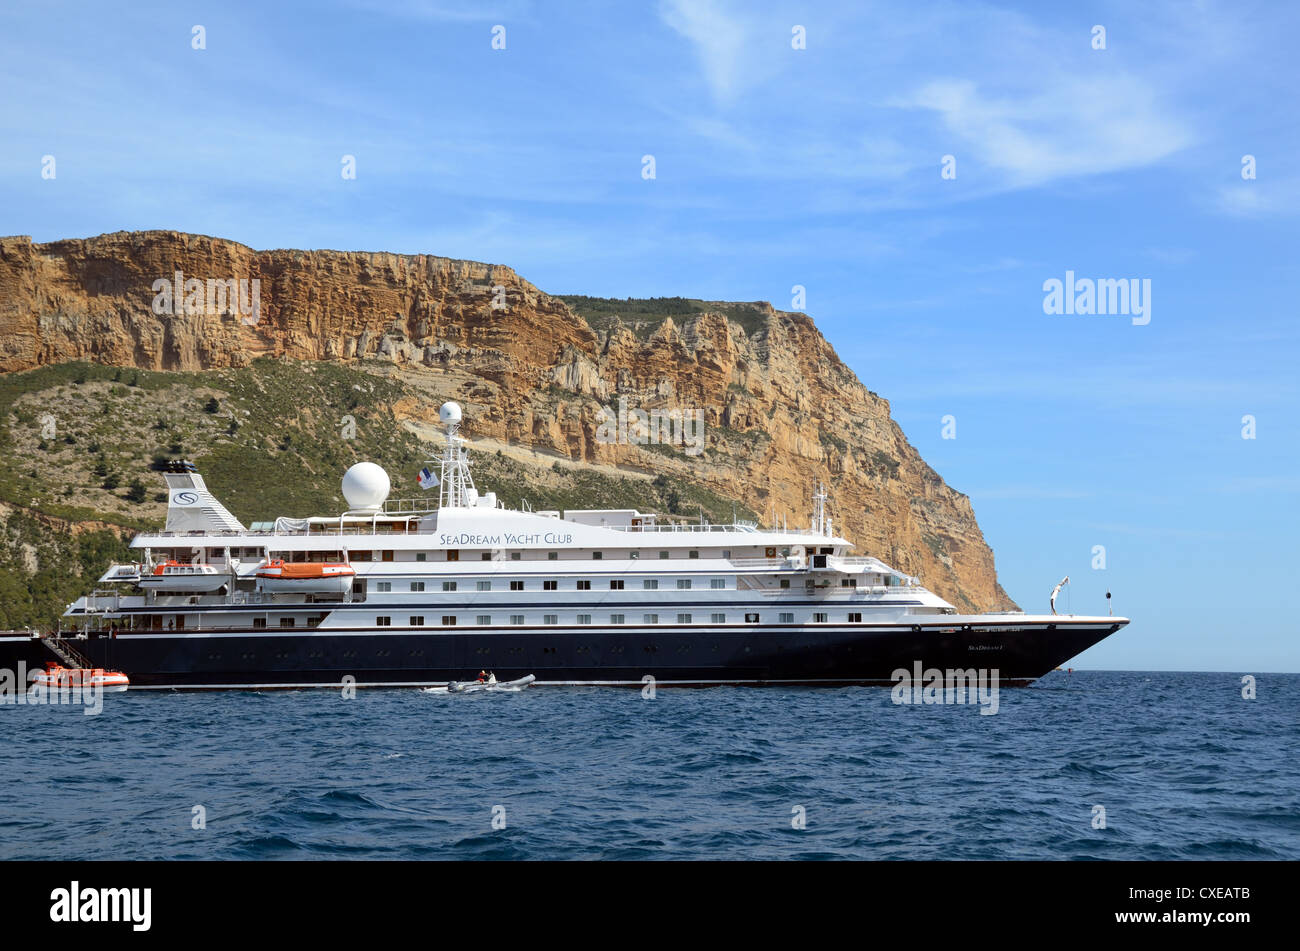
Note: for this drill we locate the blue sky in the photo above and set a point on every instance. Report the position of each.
(776, 167)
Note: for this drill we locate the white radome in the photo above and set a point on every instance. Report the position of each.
(366, 486)
(449, 413)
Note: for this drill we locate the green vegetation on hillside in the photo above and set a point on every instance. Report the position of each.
(643, 315)
(82, 443)
(42, 571)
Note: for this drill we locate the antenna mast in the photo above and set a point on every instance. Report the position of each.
(456, 485)
(821, 524)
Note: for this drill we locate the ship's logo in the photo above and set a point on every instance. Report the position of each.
(185, 498)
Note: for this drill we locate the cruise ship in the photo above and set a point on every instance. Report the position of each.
(427, 591)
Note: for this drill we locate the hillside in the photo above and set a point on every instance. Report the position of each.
(385, 339)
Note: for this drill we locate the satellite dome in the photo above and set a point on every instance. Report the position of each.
(365, 486)
(450, 413)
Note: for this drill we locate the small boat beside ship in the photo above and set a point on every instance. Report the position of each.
(489, 685)
(57, 677)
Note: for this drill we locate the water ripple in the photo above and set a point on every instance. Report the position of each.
(1179, 765)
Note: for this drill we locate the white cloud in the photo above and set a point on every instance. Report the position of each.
(721, 36)
(1259, 199)
(1071, 127)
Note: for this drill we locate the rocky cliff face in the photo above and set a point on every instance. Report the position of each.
(779, 408)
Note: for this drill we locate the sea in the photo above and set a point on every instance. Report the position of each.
(1090, 765)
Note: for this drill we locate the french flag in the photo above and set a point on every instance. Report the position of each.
(427, 479)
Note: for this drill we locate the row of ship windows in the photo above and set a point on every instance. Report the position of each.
(581, 584)
(485, 620)
(454, 555)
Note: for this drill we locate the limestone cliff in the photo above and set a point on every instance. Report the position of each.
(780, 409)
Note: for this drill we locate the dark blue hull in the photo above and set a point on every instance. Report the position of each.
(825, 655)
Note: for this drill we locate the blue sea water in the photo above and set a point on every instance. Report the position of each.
(1184, 767)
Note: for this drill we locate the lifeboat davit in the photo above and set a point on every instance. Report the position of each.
(57, 677)
(315, 577)
(189, 578)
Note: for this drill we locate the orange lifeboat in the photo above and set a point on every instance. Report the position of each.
(57, 677)
(311, 576)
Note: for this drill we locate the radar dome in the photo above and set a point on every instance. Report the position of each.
(450, 413)
(365, 486)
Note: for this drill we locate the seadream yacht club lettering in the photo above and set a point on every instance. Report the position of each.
(504, 540)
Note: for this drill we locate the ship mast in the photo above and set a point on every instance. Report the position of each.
(456, 484)
(821, 524)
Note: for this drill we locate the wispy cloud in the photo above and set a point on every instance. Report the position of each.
(1259, 199)
(1073, 127)
(721, 36)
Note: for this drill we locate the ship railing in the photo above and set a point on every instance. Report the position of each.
(759, 562)
(861, 560)
(316, 531)
(673, 527)
(410, 506)
(738, 526)
(890, 589)
(101, 600)
(848, 592)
